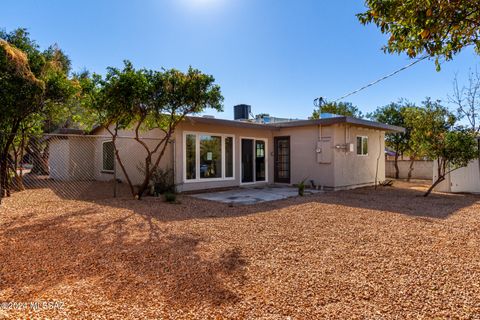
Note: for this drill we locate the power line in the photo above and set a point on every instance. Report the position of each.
(381, 79)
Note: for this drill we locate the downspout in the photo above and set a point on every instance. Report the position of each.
(378, 158)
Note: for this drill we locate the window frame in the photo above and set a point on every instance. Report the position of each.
(197, 135)
(362, 154)
(103, 170)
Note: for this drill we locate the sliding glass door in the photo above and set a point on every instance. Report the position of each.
(254, 161)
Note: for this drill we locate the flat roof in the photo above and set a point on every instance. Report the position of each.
(297, 123)
(229, 123)
(337, 120)
(288, 124)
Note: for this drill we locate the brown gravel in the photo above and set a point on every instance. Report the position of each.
(366, 253)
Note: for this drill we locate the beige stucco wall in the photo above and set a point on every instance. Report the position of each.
(353, 170)
(131, 153)
(238, 133)
(303, 145)
(345, 170)
(422, 169)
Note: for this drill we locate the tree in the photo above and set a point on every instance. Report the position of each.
(33, 85)
(20, 92)
(394, 114)
(452, 147)
(338, 108)
(467, 100)
(439, 28)
(414, 121)
(146, 99)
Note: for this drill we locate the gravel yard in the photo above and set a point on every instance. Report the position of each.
(365, 253)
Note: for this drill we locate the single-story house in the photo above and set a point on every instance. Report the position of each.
(333, 153)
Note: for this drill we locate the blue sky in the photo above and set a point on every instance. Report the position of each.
(275, 55)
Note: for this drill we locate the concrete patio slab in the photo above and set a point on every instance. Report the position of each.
(244, 196)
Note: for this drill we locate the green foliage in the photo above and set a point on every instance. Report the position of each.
(142, 99)
(437, 135)
(438, 29)
(432, 123)
(152, 99)
(338, 108)
(394, 114)
(51, 69)
(170, 197)
(301, 188)
(35, 92)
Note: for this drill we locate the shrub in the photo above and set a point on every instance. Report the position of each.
(301, 188)
(161, 180)
(170, 197)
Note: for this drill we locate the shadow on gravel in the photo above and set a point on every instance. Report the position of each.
(75, 247)
(403, 198)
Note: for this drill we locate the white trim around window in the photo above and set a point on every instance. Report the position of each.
(197, 157)
(254, 162)
(362, 151)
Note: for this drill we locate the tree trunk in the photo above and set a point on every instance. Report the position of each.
(114, 135)
(4, 185)
(22, 153)
(4, 181)
(397, 170)
(436, 183)
(149, 172)
(39, 157)
(132, 189)
(3, 176)
(410, 168)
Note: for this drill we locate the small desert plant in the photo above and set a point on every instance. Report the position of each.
(170, 197)
(301, 188)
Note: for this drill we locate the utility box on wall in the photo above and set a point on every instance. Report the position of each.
(324, 150)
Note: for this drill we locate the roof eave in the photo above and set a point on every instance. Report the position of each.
(338, 120)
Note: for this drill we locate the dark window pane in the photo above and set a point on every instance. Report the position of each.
(210, 157)
(228, 157)
(108, 156)
(359, 145)
(190, 155)
(260, 160)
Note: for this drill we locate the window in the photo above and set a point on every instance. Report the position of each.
(190, 146)
(108, 156)
(208, 156)
(259, 160)
(228, 157)
(362, 146)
